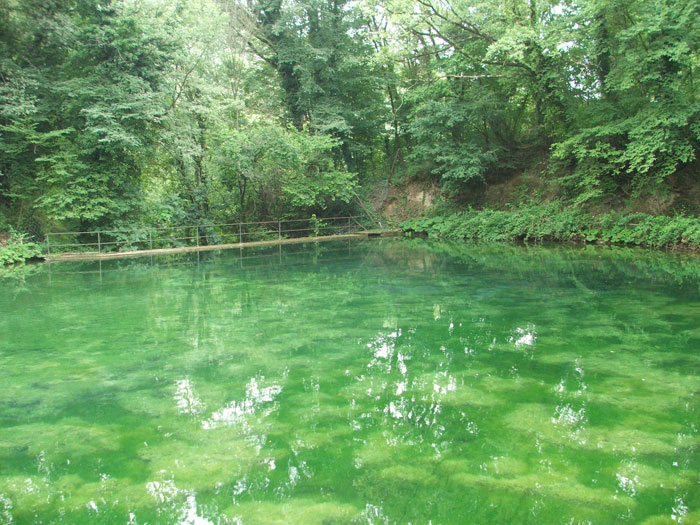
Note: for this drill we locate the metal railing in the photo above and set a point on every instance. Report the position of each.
(139, 239)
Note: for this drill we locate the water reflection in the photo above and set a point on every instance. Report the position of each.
(174, 504)
(524, 336)
(399, 385)
(187, 401)
(256, 398)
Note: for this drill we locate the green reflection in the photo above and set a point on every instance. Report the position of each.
(353, 382)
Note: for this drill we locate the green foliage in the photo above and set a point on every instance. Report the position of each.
(275, 170)
(17, 249)
(120, 114)
(632, 153)
(447, 141)
(610, 84)
(642, 125)
(317, 225)
(322, 55)
(79, 100)
(552, 222)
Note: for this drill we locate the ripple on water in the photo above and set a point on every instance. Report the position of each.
(387, 382)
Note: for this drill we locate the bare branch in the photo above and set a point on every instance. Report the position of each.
(461, 23)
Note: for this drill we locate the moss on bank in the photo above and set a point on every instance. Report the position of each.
(552, 222)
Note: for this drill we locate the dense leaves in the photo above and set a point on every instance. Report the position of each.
(79, 102)
(16, 248)
(551, 222)
(118, 113)
(641, 124)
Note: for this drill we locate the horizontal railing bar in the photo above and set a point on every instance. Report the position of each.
(154, 228)
(309, 229)
(159, 228)
(213, 234)
(299, 230)
(321, 219)
(163, 239)
(74, 244)
(133, 241)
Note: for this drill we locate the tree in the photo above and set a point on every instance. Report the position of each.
(322, 54)
(641, 122)
(83, 79)
(277, 171)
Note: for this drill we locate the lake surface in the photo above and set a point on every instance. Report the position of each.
(387, 381)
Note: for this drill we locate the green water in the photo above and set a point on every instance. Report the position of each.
(353, 382)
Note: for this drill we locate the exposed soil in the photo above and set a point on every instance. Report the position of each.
(679, 195)
(407, 201)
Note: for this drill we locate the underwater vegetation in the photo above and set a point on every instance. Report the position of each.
(389, 381)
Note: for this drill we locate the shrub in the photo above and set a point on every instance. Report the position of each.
(17, 249)
(552, 222)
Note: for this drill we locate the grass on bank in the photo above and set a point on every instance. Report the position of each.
(552, 222)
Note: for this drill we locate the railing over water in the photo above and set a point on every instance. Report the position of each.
(139, 239)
